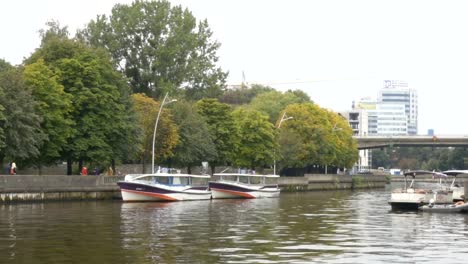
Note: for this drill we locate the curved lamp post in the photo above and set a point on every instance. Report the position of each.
(156, 125)
(283, 118)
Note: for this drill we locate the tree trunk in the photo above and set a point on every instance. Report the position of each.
(69, 166)
(80, 165)
(113, 165)
(213, 167)
(189, 170)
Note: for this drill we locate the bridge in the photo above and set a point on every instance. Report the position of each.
(370, 142)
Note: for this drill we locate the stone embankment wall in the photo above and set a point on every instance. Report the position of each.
(58, 187)
(17, 188)
(315, 182)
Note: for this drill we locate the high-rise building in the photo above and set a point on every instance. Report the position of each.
(358, 120)
(397, 92)
(388, 119)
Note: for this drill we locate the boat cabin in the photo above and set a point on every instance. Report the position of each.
(251, 179)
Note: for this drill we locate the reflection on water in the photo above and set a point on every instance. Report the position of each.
(313, 227)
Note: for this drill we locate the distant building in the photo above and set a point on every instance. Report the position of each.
(358, 121)
(388, 119)
(395, 112)
(430, 132)
(398, 92)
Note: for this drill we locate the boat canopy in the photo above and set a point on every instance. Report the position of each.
(417, 172)
(174, 175)
(140, 176)
(247, 175)
(455, 173)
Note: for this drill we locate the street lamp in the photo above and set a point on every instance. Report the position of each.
(156, 125)
(283, 118)
(336, 128)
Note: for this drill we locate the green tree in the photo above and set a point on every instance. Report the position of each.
(256, 139)
(222, 128)
(273, 102)
(196, 144)
(160, 49)
(4, 67)
(100, 109)
(54, 106)
(345, 147)
(21, 124)
(244, 94)
(166, 136)
(320, 137)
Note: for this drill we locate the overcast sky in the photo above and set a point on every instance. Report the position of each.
(336, 51)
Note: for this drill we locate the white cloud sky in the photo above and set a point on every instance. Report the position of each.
(336, 51)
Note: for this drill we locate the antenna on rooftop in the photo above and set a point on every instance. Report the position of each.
(244, 83)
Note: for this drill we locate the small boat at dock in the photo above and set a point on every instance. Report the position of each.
(457, 187)
(240, 185)
(411, 198)
(164, 186)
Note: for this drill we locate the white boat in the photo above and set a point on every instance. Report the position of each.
(164, 186)
(458, 188)
(240, 185)
(411, 198)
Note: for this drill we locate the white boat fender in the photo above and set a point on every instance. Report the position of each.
(431, 203)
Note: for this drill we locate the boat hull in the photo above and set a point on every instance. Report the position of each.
(220, 190)
(413, 199)
(445, 208)
(139, 192)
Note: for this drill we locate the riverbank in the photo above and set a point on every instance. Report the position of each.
(25, 188)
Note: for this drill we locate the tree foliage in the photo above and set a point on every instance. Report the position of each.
(54, 106)
(222, 128)
(160, 49)
(21, 124)
(256, 139)
(320, 137)
(427, 158)
(99, 111)
(273, 102)
(196, 144)
(166, 135)
(244, 94)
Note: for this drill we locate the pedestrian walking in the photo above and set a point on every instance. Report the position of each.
(13, 168)
(84, 171)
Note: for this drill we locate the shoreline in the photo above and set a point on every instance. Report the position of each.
(30, 188)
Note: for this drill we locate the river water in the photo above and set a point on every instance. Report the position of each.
(305, 227)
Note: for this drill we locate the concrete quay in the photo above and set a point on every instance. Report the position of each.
(28, 188)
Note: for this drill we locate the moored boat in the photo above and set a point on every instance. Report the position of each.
(239, 185)
(164, 186)
(457, 187)
(411, 198)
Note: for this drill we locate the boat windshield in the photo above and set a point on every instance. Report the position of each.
(244, 179)
(172, 180)
(200, 181)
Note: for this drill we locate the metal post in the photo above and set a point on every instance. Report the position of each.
(156, 126)
(279, 125)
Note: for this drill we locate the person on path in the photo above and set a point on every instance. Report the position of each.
(110, 171)
(13, 168)
(84, 171)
